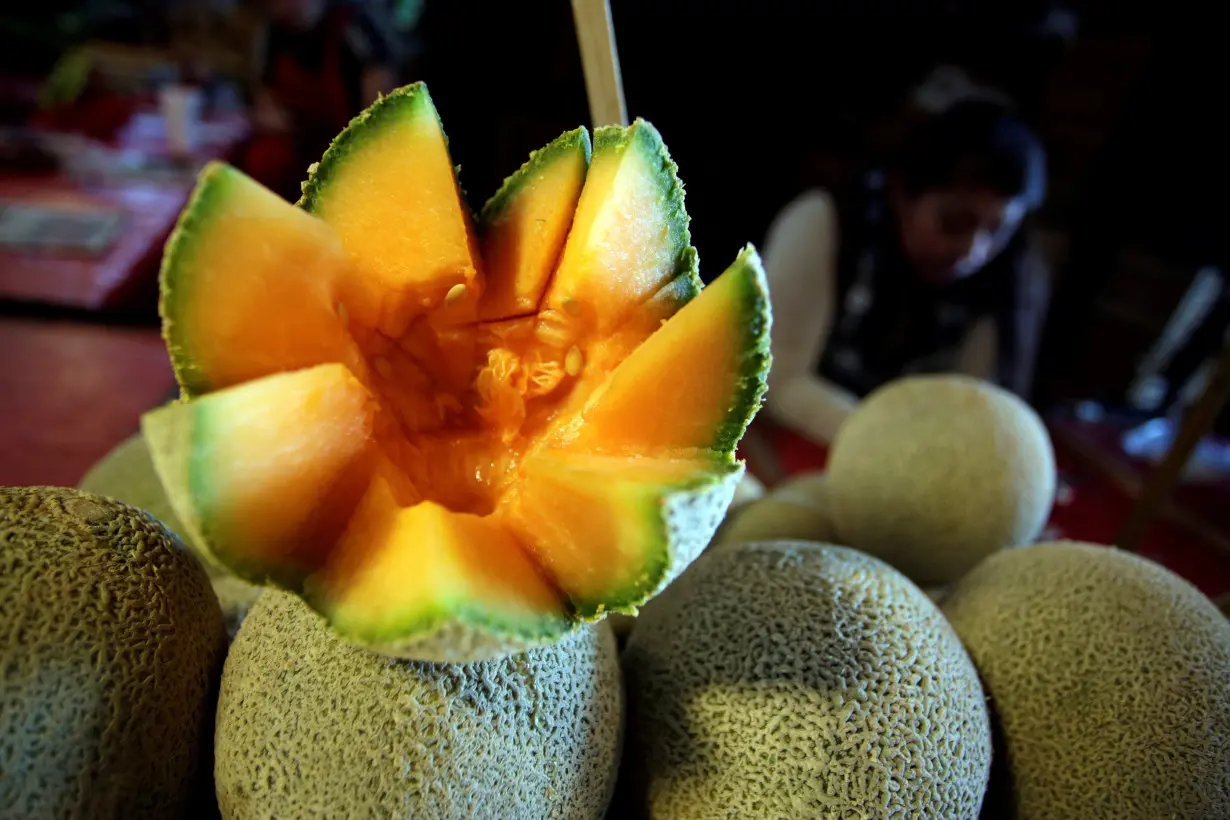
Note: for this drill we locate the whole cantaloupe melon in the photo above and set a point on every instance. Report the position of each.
(797, 680)
(932, 473)
(797, 509)
(110, 648)
(127, 474)
(1110, 679)
(310, 725)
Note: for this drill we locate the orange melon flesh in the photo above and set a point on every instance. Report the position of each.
(597, 524)
(629, 235)
(274, 257)
(412, 243)
(415, 569)
(525, 224)
(693, 384)
(267, 470)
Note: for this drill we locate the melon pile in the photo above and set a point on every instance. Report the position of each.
(443, 449)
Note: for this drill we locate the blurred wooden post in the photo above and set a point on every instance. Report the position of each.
(1197, 421)
(600, 60)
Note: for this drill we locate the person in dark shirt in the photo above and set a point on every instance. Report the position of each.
(923, 268)
(324, 61)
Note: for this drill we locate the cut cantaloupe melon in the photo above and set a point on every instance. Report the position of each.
(413, 244)
(630, 233)
(212, 307)
(525, 224)
(440, 475)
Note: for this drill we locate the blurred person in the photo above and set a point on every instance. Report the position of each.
(922, 268)
(324, 61)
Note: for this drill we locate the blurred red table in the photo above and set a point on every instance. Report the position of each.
(69, 392)
(86, 281)
(126, 272)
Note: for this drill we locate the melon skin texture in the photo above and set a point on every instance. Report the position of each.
(111, 644)
(1108, 677)
(796, 680)
(932, 473)
(797, 509)
(311, 726)
(127, 474)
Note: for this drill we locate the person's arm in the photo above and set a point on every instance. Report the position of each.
(980, 350)
(1003, 347)
(800, 261)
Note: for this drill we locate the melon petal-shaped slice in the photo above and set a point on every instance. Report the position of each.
(440, 487)
(694, 384)
(611, 531)
(389, 189)
(245, 271)
(429, 583)
(265, 475)
(630, 233)
(524, 226)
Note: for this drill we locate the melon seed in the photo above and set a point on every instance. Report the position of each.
(573, 361)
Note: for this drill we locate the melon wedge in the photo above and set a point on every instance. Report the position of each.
(697, 382)
(524, 226)
(238, 249)
(611, 530)
(437, 474)
(630, 233)
(414, 243)
(298, 440)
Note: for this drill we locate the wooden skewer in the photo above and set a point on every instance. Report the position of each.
(600, 60)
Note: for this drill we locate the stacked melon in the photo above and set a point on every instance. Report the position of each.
(793, 678)
(448, 445)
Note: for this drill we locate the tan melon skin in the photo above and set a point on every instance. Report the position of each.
(311, 726)
(1110, 679)
(111, 645)
(127, 474)
(797, 509)
(933, 473)
(795, 680)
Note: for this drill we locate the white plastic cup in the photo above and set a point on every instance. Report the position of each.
(181, 113)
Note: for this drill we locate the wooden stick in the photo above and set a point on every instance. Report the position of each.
(1198, 420)
(600, 60)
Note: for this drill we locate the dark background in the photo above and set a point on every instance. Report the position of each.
(759, 101)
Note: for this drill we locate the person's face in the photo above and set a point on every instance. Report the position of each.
(953, 232)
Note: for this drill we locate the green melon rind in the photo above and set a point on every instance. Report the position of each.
(177, 433)
(455, 632)
(215, 185)
(681, 518)
(563, 146)
(173, 436)
(687, 285)
(407, 103)
(755, 321)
